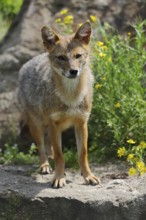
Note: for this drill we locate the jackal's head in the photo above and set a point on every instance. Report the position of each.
(68, 54)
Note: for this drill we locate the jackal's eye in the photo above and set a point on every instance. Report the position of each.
(61, 58)
(77, 56)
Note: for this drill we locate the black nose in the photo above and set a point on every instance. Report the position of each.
(73, 73)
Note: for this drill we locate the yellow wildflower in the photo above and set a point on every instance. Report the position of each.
(129, 34)
(102, 54)
(143, 170)
(104, 47)
(135, 159)
(131, 141)
(68, 19)
(140, 165)
(64, 11)
(142, 144)
(98, 86)
(93, 18)
(99, 43)
(109, 59)
(58, 20)
(130, 157)
(118, 105)
(121, 152)
(132, 171)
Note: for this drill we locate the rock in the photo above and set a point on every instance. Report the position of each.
(31, 197)
(9, 119)
(8, 61)
(23, 40)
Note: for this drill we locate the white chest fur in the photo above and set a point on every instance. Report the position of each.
(69, 95)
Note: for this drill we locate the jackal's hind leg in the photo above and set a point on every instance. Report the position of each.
(37, 132)
(48, 145)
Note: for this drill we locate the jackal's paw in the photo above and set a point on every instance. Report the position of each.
(45, 168)
(58, 182)
(92, 180)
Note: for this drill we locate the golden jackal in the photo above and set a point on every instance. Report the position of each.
(55, 93)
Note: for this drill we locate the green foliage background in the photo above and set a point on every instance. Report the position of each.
(10, 8)
(119, 107)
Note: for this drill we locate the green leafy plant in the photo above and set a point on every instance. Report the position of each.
(71, 160)
(10, 8)
(119, 97)
(12, 154)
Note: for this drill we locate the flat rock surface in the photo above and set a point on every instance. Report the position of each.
(25, 194)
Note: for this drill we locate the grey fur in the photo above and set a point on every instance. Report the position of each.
(37, 91)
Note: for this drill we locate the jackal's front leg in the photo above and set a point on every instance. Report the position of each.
(58, 180)
(81, 133)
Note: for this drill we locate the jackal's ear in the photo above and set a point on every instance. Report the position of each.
(84, 32)
(49, 37)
